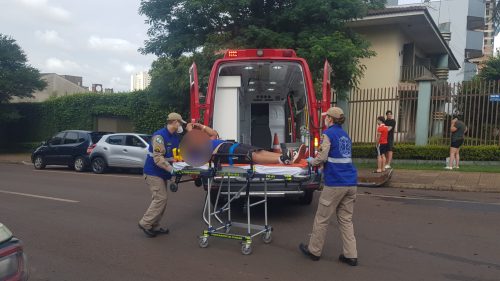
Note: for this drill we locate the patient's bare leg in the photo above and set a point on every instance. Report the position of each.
(265, 157)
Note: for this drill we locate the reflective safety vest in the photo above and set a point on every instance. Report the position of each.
(170, 141)
(339, 170)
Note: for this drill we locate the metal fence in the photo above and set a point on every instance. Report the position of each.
(477, 104)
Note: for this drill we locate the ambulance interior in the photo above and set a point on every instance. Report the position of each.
(256, 100)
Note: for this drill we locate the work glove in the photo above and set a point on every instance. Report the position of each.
(310, 160)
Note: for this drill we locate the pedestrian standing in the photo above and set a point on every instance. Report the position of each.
(381, 144)
(458, 130)
(391, 126)
(158, 171)
(339, 191)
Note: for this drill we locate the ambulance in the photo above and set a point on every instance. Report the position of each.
(260, 97)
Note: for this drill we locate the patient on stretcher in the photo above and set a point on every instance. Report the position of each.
(201, 137)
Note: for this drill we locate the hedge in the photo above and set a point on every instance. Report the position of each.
(432, 152)
(39, 121)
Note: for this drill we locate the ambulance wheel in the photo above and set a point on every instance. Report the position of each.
(173, 187)
(203, 242)
(246, 249)
(267, 238)
(307, 198)
(79, 164)
(99, 165)
(39, 162)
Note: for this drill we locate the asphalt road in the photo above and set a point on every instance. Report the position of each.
(81, 226)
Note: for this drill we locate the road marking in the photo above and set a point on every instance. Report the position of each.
(428, 199)
(39, 196)
(87, 174)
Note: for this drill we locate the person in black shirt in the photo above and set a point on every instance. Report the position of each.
(458, 130)
(391, 124)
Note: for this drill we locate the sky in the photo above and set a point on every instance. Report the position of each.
(95, 39)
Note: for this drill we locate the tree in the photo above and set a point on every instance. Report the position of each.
(17, 78)
(315, 28)
(491, 69)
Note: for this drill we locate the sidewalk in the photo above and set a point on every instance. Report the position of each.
(415, 179)
(15, 158)
(443, 180)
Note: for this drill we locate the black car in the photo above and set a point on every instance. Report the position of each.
(71, 148)
(13, 262)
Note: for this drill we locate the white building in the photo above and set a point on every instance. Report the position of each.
(57, 86)
(140, 81)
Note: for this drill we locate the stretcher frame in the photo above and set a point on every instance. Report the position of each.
(211, 215)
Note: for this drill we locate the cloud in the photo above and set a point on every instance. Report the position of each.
(51, 37)
(61, 66)
(43, 7)
(129, 68)
(111, 44)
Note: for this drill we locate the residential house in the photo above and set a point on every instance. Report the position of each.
(408, 45)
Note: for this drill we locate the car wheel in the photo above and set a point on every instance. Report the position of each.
(79, 164)
(39, 162)
(98, 165)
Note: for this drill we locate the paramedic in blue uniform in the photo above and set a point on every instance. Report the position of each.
(158, 171)
(339, 190)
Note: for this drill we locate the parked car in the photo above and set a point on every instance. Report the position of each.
(13, 262)
(123, 150)
(71, 148)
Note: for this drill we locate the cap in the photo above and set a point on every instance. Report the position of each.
(335, 112)
(175, 116)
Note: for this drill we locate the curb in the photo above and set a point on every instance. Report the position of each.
(16, 162)
(459, 188)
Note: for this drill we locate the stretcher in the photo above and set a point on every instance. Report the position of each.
(218, 218)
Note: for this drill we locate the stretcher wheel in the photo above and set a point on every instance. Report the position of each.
(173, 187)
(246, 249)
(203, 242)
(198, 182)
(267, 238)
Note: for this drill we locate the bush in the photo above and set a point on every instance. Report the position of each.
(39, 121)
(432, 152)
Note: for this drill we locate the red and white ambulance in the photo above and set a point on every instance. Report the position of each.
(256, 95)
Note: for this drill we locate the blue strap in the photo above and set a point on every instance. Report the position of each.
(231, 152)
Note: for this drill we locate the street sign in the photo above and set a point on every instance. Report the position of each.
(495, 97)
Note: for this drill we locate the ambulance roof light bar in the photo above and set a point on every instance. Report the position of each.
(249, 53)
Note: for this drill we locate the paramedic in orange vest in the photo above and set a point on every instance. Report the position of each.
(339, 191)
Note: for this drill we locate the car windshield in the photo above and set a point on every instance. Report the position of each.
(146, 138)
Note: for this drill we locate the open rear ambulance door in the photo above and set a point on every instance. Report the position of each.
(194, 94)
(326, 101)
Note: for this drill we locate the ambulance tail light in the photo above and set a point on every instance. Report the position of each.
(316, 142)
(90, 148)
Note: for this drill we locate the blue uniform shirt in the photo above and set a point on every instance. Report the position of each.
(339, 170)
(216, 143)
(170, 141)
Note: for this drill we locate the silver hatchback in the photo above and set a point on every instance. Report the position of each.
(121, 150)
